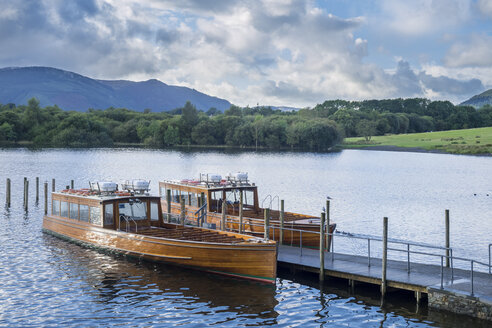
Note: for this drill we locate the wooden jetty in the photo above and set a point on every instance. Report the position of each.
(456, 284)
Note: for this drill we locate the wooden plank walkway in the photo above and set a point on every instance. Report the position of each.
(421, 277)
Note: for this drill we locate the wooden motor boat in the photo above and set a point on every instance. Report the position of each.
(131, 222)
(204, 200)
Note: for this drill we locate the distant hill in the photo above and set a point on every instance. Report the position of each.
(479, 100)
(72, 91)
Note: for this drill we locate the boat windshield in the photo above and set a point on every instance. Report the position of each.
(134, 208)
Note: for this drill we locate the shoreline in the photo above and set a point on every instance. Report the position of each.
(410, 150)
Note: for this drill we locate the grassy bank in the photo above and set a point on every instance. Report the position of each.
(470, 141)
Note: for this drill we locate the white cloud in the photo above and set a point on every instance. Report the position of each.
(485, 7)
(475, 51)
(419, 17)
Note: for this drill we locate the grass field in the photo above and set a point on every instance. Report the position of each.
(470, 141)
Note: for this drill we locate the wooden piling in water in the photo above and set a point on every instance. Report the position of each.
(53, 185)
(37, 190)
(266, 235)
(183, 211)
(72, 183)
(223, 218)
(385, 256)
(282, 217)
(322, 247)
(26, 194)
(7, 194)
(241, 211)
(168, 202)
(46, 198)
(447, 237)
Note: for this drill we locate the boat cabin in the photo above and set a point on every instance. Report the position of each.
(104, 206)
(212, 190)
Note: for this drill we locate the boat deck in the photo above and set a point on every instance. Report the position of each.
(190, 234)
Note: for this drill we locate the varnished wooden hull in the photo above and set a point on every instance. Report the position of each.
(244, 260)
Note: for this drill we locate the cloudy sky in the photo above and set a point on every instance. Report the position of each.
(268, 52)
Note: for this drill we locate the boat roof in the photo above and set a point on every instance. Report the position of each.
(102, 196)
(208, 185)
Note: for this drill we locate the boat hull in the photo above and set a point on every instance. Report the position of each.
(243, 260)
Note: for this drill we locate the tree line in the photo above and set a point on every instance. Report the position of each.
(317, 129)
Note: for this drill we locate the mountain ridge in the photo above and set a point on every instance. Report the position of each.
(73, 91)
(479, 100)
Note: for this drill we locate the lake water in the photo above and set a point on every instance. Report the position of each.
(45, 281)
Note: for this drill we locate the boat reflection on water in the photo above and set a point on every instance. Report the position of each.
(115, 279)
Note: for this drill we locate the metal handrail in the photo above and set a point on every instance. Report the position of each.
(127, 218)
(490, 247)
(264, 199)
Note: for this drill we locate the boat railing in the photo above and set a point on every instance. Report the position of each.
(265, 199)
(201, 214)
(127, 222)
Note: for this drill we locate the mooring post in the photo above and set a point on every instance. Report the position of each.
(26, 206)
(266, 234)
(7, 200)
(322, 247)
(241, 211)
(385, 256)
(183, 211)
(46, 198)
(447, 237)
(24, 194)
(328, 238)
(168, 202)
(72, 184)
(53, 185)
(282, 218)
(37, 190)
(223, 219)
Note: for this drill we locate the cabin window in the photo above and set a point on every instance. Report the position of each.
(64, 209)
(193, 199)
(95, 215)
(84, 213)
(154, 211)
(74, 211)
(162, 192)
(55, 210)
(108, 214)
(175, 196)
(136, 209)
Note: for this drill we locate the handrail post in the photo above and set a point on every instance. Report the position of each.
(490, 245)
(322, 248)
(408, 258)
(281, 236)
(223, 218)
(328, 225)
(241, 211)
(471, 277)
(300, 240)
(369, 252)
(385, 256)
(183, 211)
(168, 202)
(266, 234)
(447, 237)
(452, 265)
(442, 272)
(53, 185)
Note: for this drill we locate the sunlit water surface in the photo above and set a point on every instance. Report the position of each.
(45, 281)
